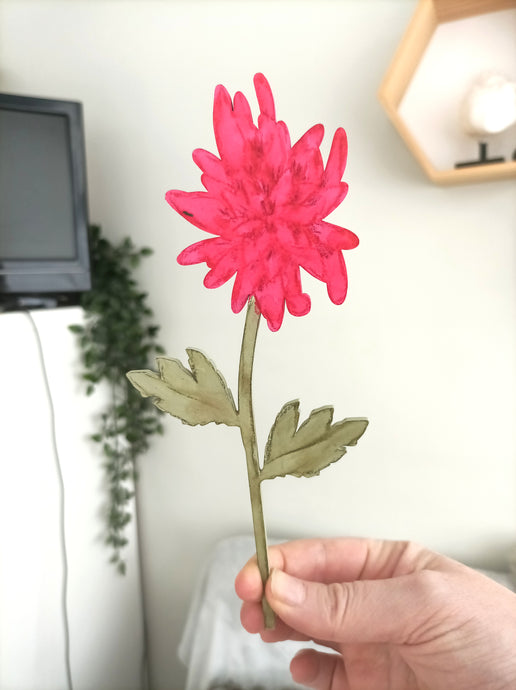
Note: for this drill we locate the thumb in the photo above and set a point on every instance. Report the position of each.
(368, 611)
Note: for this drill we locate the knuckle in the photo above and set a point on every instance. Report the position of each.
(412, 557)
(434, 591)
(432, 587)
(336, 605)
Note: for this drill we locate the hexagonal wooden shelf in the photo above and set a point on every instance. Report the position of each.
(428, 16)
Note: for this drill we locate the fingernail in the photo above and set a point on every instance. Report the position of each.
(287, 589)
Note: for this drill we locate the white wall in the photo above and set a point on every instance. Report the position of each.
(103, 610)
(425, 343)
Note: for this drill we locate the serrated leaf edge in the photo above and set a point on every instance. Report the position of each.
(294, 404)
(192, 373)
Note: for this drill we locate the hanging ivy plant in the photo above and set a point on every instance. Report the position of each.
(117, 336)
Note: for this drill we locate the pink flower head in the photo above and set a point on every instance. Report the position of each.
(265, 201)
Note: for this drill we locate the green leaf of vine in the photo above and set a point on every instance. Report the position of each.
(306, 451)
(196, 396)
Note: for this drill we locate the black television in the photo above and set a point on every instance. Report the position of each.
(44, 253)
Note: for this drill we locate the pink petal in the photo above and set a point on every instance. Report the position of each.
(209, 251)
(336, 278)
(306, 161)
(306, 211)
(337, 157)
(271, 303)
(208, 163)
(310, 259)
(331, 197)
(264, 96)
(244, 286)
(292, 237)
(275, 146)
(250, 273)
(241, 107)
(317, 202)
(336, 237)
(294, 195)
(271, 256)
(311, 139)
(199, 208)
(222, 110)
(224, 268)
(216, 187)
(298, 302)
(231, 131)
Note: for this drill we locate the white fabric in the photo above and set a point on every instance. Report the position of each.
(215, 647)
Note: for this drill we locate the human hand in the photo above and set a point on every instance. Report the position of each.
(395, 615)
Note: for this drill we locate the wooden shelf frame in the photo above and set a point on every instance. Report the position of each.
(427, 17)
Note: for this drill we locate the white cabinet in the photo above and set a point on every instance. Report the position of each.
(102, 608)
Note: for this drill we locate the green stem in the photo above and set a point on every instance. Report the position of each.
(248, 433)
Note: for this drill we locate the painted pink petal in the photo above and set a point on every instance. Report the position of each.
(336, 277)
(222, 271)
(311, 260)
(231, 131)
(296, 241)
(298, 302)
(243, 288)
(217, 188)
(337, 157)
(241, 108)
(336, 237)
(271, 303)
(211, 250)
(274, 147)
(209, 163)
(264, 96)
(200, 209)
(332, 197)
(318, 203)
(311, 139)
(306, 160)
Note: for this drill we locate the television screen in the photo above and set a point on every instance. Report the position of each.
(44, 258)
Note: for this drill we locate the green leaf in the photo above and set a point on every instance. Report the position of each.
(118, 335)
(306, 451)
(76, 328)
(199, 396)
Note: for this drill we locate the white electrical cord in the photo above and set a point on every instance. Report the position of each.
(62, 534)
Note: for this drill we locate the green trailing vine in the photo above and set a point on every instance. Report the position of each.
(118, 335)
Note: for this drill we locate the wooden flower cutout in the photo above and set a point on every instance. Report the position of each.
(265, 203)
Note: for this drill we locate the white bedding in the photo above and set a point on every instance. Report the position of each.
(215, 648)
